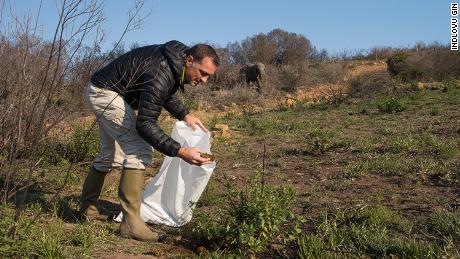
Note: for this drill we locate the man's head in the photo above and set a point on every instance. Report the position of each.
(201, 62)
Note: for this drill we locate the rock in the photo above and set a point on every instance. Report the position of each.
(290, 102)
(223, 127)
(420, 85)
(156, 251)
(221, 130)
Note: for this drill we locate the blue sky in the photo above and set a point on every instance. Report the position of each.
(332, 25)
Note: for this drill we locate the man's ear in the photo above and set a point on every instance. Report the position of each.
(189, 60)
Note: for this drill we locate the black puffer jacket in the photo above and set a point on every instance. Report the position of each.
(148, 78)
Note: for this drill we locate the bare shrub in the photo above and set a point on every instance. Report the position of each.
(36, 75)
(42, 83)
(227, 77)
(436, 63)
(324, 73)
(429, 63)
(239, 95)
(371, 84)
(230, 87)
(290, 77)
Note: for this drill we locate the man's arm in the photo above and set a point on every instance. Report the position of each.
(152, 99)
(176, 108)
(154, 93)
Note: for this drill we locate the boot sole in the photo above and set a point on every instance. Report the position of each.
(160, 238)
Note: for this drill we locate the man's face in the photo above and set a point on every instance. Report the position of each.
(197, 72)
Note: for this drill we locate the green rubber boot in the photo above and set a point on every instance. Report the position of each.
(90, 193)
(129, 194)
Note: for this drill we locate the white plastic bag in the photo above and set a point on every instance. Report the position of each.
(167, 198)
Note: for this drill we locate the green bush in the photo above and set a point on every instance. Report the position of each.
(390, 104)
(82, 145)
(53, 151)
(398, 66)
(396, 63)
(322, 140)
(254, 125)
(251, 220)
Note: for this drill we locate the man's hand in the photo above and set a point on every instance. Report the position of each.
(192, 155)
(194, 122)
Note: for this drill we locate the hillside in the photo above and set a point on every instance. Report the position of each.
(360, 177)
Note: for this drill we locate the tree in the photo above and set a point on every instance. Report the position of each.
(277, 47)
(236, 53)
(291, 48)
(258, 48)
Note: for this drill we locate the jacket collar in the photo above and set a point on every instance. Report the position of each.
(174, 52)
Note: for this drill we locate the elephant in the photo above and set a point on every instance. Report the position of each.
(255, 73)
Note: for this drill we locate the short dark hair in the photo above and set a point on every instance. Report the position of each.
(200, 51)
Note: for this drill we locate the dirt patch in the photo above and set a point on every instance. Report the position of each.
(366, 69)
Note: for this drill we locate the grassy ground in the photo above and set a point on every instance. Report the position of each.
(363, 178)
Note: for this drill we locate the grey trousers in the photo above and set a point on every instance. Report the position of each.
(120, 144)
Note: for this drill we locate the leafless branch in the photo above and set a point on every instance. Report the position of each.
(35, 72)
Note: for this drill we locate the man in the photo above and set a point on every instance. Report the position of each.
(144, 79)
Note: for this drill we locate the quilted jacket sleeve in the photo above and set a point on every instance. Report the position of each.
(154, 94)
(176, 108)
